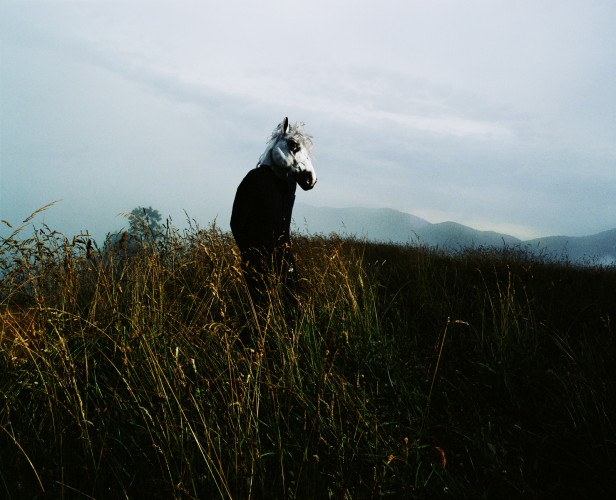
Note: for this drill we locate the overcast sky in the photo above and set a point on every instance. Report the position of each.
(496, 114)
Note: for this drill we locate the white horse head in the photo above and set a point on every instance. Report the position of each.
(289, 154)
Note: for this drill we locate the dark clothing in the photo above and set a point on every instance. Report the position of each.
(261, 222)
(262, 210)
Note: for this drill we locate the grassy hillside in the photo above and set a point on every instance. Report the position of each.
(402, 371)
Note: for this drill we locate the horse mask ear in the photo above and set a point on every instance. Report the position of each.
(284, 125)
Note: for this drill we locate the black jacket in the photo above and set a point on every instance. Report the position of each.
(262, 209)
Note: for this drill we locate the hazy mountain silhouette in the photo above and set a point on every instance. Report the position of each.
(377, 224)
(388, 225)
(600, 247)
(452, 236)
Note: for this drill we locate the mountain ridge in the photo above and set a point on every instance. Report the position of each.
(393, 226)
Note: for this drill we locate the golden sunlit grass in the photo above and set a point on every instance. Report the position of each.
(401, 371)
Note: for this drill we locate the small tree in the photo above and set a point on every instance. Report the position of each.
(144, 224)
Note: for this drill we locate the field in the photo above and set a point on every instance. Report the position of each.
(149, 372)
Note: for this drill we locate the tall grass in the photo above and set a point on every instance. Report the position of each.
(401, 371)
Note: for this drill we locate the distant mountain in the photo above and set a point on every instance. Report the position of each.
(600, 247)
(453, 236)
(388, 225)
(377, 224)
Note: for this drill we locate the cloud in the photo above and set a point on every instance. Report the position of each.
(414, 105)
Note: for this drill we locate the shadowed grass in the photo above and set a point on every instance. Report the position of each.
(401, 371)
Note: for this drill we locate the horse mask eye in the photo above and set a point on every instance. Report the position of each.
(294, 147)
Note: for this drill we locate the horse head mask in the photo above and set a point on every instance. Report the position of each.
(289, 154)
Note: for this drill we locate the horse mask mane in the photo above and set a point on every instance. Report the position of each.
(289, 154)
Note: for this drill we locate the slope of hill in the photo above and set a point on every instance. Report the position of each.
(600, 247)
(388, 225)
(452, 236)
(376, 224)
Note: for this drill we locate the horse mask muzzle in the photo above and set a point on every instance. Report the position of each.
(305, 179)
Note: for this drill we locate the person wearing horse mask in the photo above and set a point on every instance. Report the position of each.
(263, 207)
